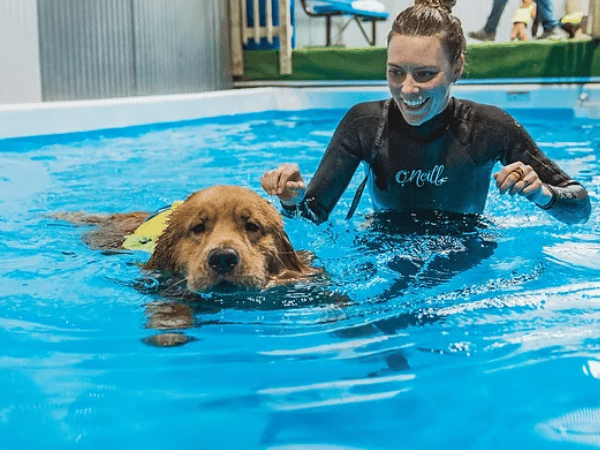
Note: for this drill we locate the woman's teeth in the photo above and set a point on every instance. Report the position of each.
(414, 103)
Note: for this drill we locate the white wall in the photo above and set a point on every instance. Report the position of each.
(472, 13)
(19, 52)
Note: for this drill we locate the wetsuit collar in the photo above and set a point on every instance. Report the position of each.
(430, 130)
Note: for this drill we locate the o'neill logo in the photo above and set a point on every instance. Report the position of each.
(420, 177)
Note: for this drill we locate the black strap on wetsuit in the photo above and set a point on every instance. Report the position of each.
(374, 150)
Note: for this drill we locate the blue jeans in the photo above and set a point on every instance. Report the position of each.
(545, 10)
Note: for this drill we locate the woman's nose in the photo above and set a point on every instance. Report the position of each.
(410, 86)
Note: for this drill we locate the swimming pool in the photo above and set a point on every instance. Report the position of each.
(492, 342)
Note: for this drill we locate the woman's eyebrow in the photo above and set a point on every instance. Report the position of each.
(426, 67)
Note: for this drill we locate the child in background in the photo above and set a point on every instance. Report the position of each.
(521, 20)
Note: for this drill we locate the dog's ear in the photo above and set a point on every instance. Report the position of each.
(163, 256)
(288, 265)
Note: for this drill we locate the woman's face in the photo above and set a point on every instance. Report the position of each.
(420, 76)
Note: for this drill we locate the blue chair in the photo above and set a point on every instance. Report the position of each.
(360, 11)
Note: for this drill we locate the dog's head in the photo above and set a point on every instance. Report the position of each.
(228, 235)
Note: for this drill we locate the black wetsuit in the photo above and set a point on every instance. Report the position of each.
(444, 164)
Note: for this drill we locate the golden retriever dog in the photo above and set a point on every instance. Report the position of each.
(228, 235)
(220, 239)
(222, 236)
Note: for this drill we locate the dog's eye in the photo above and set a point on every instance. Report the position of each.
(252, 227)
(199, 228)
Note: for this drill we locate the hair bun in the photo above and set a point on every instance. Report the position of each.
(445, 5)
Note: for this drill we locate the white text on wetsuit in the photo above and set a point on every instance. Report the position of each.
(420, 177)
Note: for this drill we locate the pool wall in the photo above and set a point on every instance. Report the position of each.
(36, 119)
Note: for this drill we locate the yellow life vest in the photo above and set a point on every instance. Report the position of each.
(573, 19)
(146, 235)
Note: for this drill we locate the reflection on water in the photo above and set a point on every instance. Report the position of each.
(427, 248)
(581, 426)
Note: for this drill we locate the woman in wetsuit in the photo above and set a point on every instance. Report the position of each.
(426, 150)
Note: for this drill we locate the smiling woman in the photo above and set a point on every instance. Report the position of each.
(420, 76)
(424, 131)
(425, 57)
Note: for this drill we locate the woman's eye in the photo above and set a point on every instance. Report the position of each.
(199, 228)
(424, 76)
(252, 227)
(395, 73)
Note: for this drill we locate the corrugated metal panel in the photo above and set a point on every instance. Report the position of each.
(114, 48)
(217, 51)
(179, 46)
(85, 49)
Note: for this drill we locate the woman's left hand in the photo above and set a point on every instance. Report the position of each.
(521, 179)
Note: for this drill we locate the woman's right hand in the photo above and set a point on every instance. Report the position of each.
(286, 183)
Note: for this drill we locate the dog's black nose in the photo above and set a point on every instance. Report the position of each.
(222, 260)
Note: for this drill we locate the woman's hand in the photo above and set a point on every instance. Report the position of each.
(521, 179)
(286, 183)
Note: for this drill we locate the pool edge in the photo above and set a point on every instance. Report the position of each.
(35, 119)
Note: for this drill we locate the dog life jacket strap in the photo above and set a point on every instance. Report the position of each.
(146, 235)
(374, 150)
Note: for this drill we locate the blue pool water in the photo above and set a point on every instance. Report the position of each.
(490, 340)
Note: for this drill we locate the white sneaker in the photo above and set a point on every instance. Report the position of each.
(555, 34)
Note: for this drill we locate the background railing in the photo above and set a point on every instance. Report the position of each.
(594, 19)
(261, 29)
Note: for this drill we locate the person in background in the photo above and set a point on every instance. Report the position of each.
(423, 149)
(546, 15)
(521, 20)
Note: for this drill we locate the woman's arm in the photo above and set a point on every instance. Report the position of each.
(351, 142)
(568, 202)
(530, 173)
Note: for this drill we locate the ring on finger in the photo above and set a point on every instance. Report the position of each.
(518, 173)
